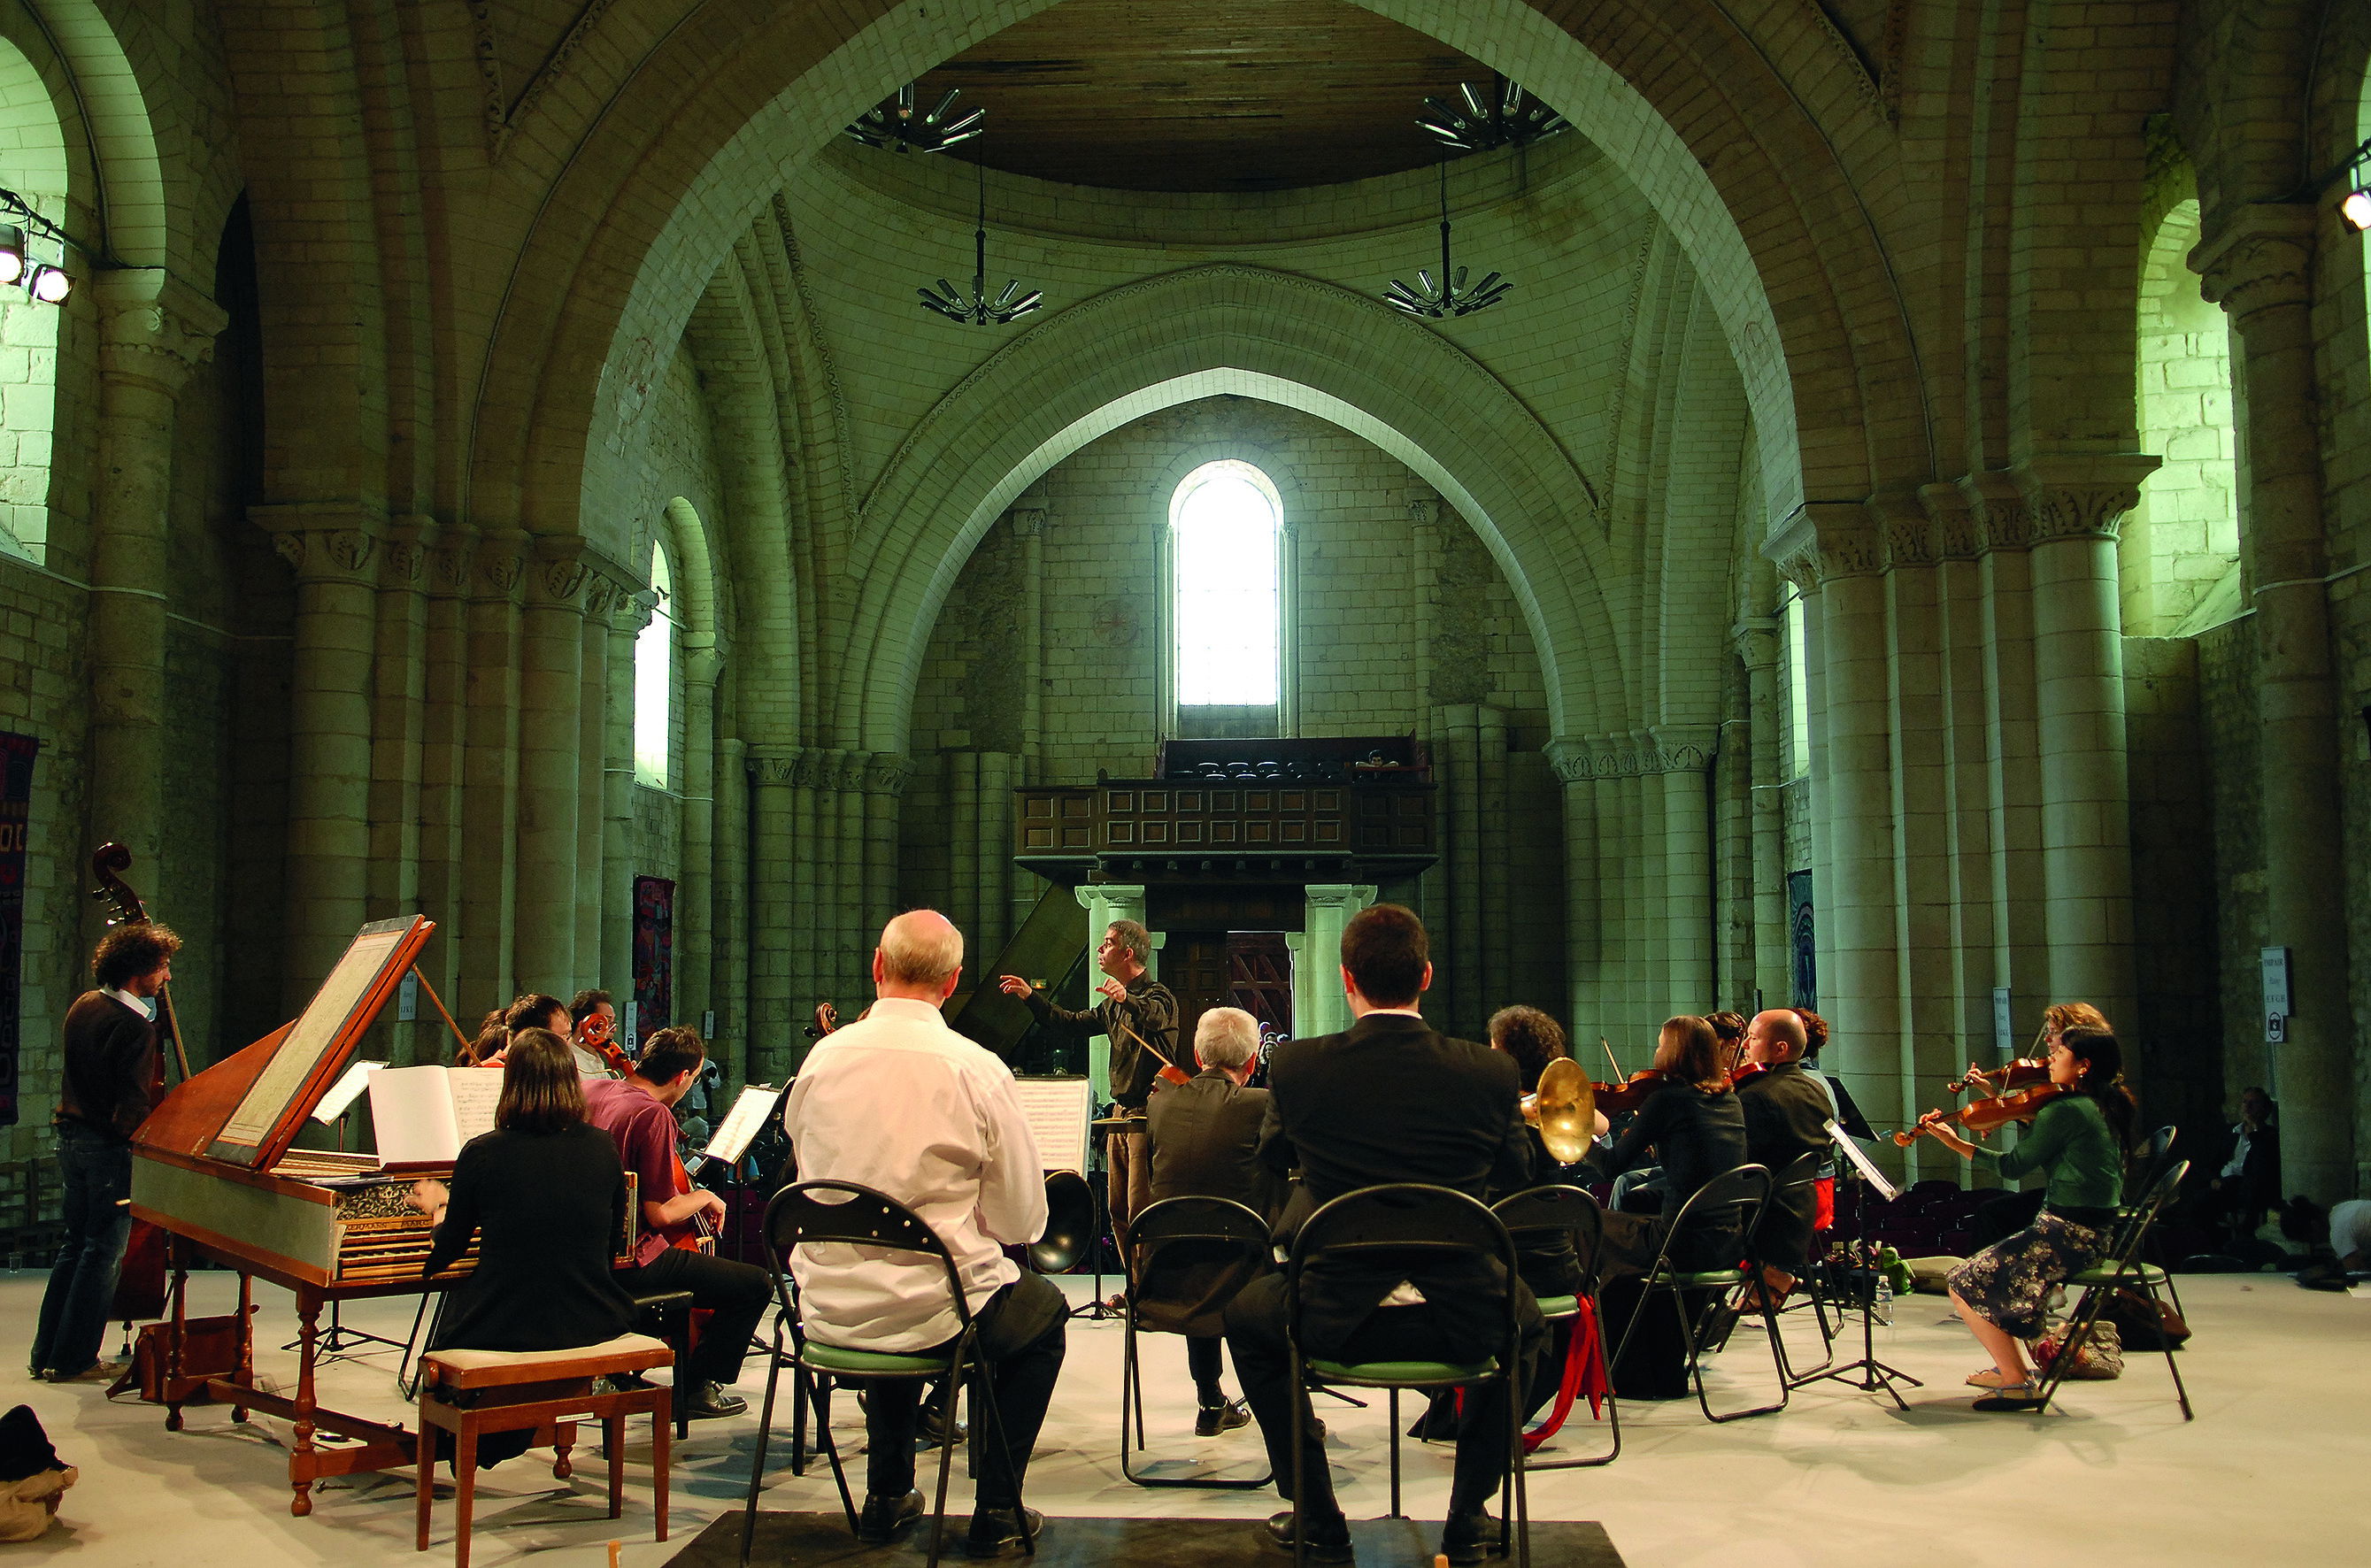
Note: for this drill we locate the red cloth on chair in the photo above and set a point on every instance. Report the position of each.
(1584, 1373)
(1824, 1206)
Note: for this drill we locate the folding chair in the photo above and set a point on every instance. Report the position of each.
(2122, 1268)
(814, 1212)
(1415, 1221)
(1798, 1183)
(2149, 1162)
(1546, 1210)
(1198, 1232)
(1732, 1201)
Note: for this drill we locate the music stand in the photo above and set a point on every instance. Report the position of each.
(1868, 1374)
(336, 1107)
(1098, 1310)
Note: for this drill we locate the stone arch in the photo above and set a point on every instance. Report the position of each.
(33, 164)
(1746, 176)
(686, 535)
(128, 196)
(1191, 334)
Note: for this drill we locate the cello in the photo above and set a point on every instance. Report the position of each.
(140, 1284)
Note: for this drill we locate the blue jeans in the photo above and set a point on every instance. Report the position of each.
(97, 1171)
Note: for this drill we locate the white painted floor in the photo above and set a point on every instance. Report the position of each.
(2272, 1471)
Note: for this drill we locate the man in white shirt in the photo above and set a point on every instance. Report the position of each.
(899, 1102)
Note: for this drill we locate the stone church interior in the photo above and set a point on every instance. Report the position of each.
(1849, 511)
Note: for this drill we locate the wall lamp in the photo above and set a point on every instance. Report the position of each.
(23, 233)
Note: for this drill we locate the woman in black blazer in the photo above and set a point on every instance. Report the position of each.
(546, 1196)
(1696, 1131)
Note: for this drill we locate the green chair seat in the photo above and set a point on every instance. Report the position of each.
(1703, 1279)
(875, 1363)
(1410, 1373)
(1553, 1307)
(2134, 1273)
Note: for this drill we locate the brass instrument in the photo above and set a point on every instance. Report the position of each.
(1563, 1109)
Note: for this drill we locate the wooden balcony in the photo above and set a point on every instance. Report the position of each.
(1174, 830)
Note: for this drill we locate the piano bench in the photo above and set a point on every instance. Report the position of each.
(472, 1392)
(666, 1315)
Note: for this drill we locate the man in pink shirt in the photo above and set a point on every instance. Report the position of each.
(638, 1112)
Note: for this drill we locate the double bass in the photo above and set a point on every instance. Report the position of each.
(140, 1284)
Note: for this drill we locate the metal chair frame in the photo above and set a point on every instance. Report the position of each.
(1746, 1190)
(798, 1216)
(1548, 1210)
(1216, 1221)
(1801, 1173)
(2124, 1269)
(1405, 1217)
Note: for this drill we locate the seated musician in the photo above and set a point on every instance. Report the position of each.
(1204, 1142)
(1387, 1100)
(636, 1112)
(2078, 1141)
(486, 1050)
(1786, 1109)
(545, 1197)
(112, 1073)
(592, 1031)
(534, 1011)
(2003, 1217)
(899, 1102)
(1695, 1129)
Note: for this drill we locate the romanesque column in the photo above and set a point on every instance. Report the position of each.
(443, 737)
(551, 695)
(1318, 1005)
(633, 613)
(399, 721)
(1568, 756)
(153, 332)
(332, 550)
(490, 775)
(1682, 759)
(2078, 503)
(604, 592)
(773, 1026)
(1756, 642)
(695, 890)
(2259, 271)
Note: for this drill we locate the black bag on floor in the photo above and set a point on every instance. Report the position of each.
(1655, 1364)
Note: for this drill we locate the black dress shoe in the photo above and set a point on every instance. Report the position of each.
(1329, 1540)
(1225, 1416)
(995, 1531)
(885, 1516)
(712, 1401)
(1467, 1539)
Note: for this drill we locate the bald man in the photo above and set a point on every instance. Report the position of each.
(1786, 1115)
(899, 1102)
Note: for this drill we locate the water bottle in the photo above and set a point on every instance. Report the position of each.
(1884, 1307)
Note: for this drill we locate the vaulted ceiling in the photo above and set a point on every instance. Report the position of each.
(1205, 95)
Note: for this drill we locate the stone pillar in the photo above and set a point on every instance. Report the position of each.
(332, 550)
(809, 895)
(552, 694)
(2259, 271)
(1318, 1005)
(2019, 894)
(1567, 757)
(2077, 504)
(773, 1023)
(444, 745)
(489, 773)
(398, 723)
(603, 594)
(1756, 643)
(633, 613)
(1682, 758)
(1104, 903)
(731, 976)
(153, 331)
(885, 774)
(695, 891)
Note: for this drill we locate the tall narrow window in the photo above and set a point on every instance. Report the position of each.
(1798, 687)
(654, 679)
(1226, 561)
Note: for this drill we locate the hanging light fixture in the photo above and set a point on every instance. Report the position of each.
(48, 282)
(976, 308)
(893, 124)
(2355, 207)
(1507, 117)
(1448, 296)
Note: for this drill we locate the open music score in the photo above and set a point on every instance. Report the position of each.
(421, 1116)
(1868, 1173)
(750, 1112)
(1058, 1108)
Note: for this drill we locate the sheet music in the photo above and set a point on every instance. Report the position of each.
(345, 1092)
(1868, 1173)
(476, 1095)
(313, 1034)
(1058, 1110)
(742, 1124)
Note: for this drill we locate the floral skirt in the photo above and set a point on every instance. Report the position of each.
(2009, 1282)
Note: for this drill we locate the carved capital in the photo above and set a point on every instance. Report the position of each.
(561, 573)
(406, 551)
(1684, 748)
(2263, 260)
(1567, 758)
(2082, 495)
(500, 566)
(1910, 541)
(1958, 532)
(1424, 510)
(778, 768)
(324, 544)
(153, 328)
(1823, 540)
(1998, 511)
(885, 773)
(1028, 522)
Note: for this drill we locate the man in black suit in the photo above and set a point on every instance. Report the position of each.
(1388, 1100)
(1787, 1112)
(1204, 1141)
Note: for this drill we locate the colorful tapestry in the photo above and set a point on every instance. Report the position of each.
(653, 955)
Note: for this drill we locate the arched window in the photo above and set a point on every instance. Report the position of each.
(654, 679)
(1226, 589)
(1794, 636)
(32, 164)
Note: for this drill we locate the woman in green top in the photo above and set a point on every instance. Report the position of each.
(2078, 1141)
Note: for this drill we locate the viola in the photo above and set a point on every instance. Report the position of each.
(1987, 1115)
(1631, 1092)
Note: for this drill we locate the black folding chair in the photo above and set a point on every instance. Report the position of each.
(1544, 1211)
(1195, 1231)
(816, 1212)
(2148, 1166)
(2121, 1269)
(1425, 1224)
(1796, 1185)
(1731, 1203)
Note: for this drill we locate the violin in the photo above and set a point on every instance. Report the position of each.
(2022, 1072)
(1631, 1092)
(1987, 1115)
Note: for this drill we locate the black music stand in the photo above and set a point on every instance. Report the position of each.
(1098, 1310)
(1868, 1374)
